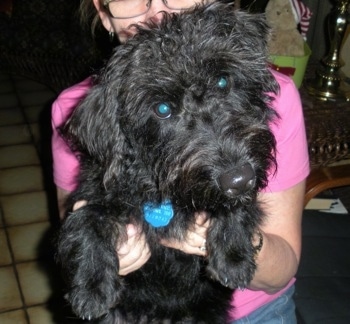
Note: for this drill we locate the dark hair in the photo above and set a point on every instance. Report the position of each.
(89, 16)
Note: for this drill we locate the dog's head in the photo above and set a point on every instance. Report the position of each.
(185, 105)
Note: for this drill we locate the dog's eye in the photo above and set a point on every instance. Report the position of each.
(222, 82)
(163, 111)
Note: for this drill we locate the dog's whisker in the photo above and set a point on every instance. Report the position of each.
(194, 205)
(129, 204)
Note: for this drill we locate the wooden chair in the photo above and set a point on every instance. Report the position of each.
(321, 179)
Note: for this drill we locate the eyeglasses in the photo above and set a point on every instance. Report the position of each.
(123, 9)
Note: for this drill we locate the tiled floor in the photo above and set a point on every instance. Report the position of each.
(27, 272)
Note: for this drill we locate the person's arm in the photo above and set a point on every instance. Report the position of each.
(278, 260)
(62, 196)
(65, 162)
(283, 199)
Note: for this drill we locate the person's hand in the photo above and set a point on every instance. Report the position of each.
(134, 252)
(195, 241)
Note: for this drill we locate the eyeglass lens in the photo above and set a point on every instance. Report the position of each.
(133, 8)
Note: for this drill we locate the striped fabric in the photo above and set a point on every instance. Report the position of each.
(302, 16)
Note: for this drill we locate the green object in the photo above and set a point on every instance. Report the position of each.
(294, 66)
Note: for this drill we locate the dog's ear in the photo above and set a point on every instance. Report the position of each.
(93, 130)
(254, 28)
(243, 28)
(249, 42)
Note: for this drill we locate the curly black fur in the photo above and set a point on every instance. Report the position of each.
(209, 66)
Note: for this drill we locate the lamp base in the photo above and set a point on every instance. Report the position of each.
(328, 88)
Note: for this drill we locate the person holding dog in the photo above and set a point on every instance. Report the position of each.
(268, 299)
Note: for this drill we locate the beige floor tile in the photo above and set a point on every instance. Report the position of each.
(35, 97)
(26, 85)
(21, 179)
(5, 77)
(11, 116)
(5, 256)
(14, 317)
(25, 208)
(40, 315)
(35, 283)
(17, 134)
(6, 86)
(1, 218)
(35, 130)
(28, 241)
(33, 113)
(9, 292)
(8, 100)
(18, 155)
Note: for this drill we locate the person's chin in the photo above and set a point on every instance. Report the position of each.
(125, 34)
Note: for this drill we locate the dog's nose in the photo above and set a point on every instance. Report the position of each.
(238, 180)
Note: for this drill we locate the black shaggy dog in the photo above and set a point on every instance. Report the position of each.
(179, 119)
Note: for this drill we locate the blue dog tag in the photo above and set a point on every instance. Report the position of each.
(159, 215)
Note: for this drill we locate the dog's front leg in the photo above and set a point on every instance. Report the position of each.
(231, 257)
(86, 251)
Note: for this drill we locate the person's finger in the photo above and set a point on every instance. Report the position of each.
(133, 236)
(201, 218)
(79, 204)
(195, 246)
(199, 230)
(135, 264)
(133, 254)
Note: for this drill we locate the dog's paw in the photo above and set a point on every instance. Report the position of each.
(95, 289)
(232, 274)
(86, 252)
(89, 304)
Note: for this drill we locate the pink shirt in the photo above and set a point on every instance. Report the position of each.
(292, 160)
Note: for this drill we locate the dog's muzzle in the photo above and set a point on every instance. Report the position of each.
(237, 181)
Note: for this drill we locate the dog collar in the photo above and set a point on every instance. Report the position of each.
(158, 215)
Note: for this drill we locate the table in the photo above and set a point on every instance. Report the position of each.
(328, 134)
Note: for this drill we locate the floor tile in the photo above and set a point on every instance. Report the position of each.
(9, 292)
(33, 113)
(27, 85)
(25, 231)
(6, 86)
(28, 242)
(35, 130)
(35, 283)
(18, 155)
(25, 208)
(35, 98)
(8, 100)
(1, 218)
(18, 134)
(5, 77)
(13, 317)
(21, 179)
(40, 315)
(11, 116)
(5, 256)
